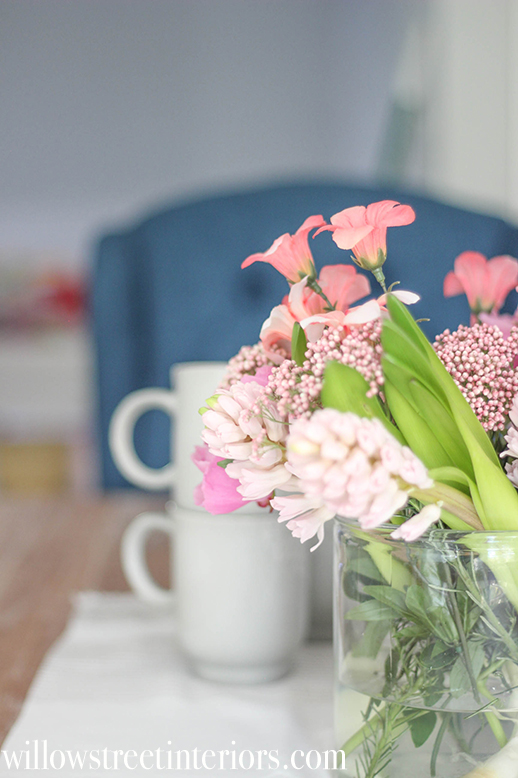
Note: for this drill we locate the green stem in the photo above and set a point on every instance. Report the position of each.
(315, 286)
(462, 636)
(379, 275)
(492, 719)
(437, 745)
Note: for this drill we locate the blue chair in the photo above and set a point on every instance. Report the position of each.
(170, 289)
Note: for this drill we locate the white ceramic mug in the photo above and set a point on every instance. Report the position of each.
(194, 383)
(240, 593)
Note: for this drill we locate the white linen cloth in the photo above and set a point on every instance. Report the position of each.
(116, 680)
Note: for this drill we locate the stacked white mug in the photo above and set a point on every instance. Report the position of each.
(241, 581)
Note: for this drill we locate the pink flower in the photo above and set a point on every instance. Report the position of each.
(340, 283)
(415, 527)
(290, 254)
(350, 466)
(485, 283)
(364, 230)
(305, 516)
(504, 321)
(217, 492)
(481, 362)
(261, 376)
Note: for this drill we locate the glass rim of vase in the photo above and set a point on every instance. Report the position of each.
(442, 534)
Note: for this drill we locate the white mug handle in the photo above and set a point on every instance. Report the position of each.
(120, 436)
(133, 556)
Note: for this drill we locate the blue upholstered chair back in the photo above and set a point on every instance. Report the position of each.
(170, 289)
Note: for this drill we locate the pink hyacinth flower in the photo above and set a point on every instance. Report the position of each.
(416, 526)
(486, 283)
(364, 230)
(217, 492)
(290, 254)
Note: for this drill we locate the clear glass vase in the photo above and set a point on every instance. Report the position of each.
(426, 647)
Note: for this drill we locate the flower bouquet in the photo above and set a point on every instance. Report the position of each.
(347, 411)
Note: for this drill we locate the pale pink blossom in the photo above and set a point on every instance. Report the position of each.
(352, 467)
(504, 321)
(486, 283)
(230, 424)
(314, 326)
(256, 481)
(364, 230)
(341, 284)
(511, 438)
(512, 472)
(413, 528)
(305, 516)
(217, 492)
(290, 254)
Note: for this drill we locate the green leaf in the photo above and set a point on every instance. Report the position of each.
(224, 462)
(345, 389)
(364, 566)
(422, 727)
(401, 351)
(442, 423)
(458, 405)
(417, 602)
(459, 677)
(372, 639)
(299, 344)
(413, 631)
(390, 597)
(417, 433)
(371, 610)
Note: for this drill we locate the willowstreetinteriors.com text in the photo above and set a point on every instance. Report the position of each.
(40, 755)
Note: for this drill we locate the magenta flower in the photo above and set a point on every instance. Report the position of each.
(290, 254)
(486, 283)
(217, 492)
(364, 230)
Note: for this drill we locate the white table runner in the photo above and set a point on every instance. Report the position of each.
(115, 680)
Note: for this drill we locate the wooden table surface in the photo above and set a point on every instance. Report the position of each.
(49, 549)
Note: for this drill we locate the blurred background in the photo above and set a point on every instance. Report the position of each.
(114, 108)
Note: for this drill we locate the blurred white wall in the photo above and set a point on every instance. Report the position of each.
(111, 106)
(459, 77)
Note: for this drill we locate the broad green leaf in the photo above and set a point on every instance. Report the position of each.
(388, 596)
(460, 682)
(395, 572)
(413, 631)
(442, 423)
(417, 602)
(364, 566)
(372, 639)
(498, 496)
(401, 351)
(422, 727)
(401, 316)
(417, 433)
(346, 390)
(299, 344)
(452, 476)
(371, 610)
(458, 404)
